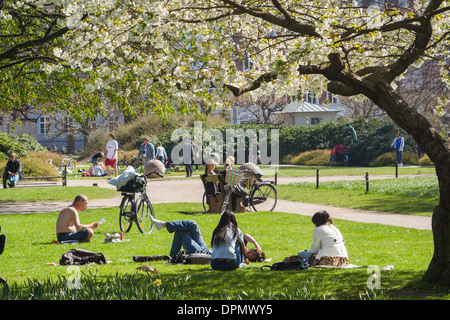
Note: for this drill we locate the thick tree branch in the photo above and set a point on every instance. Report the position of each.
(292, 25)
(267, 77)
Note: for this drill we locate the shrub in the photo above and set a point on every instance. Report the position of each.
(310, 158)
(36, 164)
(389, 159)
(17, 143)
(425, 161)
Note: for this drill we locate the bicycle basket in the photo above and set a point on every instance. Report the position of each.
(132, 186)
(232, 176)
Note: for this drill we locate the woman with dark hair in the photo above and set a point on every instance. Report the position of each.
(328, 244)
(228, 245)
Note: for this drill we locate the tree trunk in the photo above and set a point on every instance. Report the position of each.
(438, 150)
(439, 269)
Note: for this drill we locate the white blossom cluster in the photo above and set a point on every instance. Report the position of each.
(191, 49)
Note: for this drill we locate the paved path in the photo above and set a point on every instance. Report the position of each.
(191, 190)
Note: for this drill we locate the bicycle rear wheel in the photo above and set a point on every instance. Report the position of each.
(264, 197)
(143, 213)
(122, 165)
(126, 214)
(137, 165)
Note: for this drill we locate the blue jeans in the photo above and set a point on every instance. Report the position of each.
(305, 254)
(187, 235)
(399, 155)
(74, 236)
(228, 265)
(13, 179)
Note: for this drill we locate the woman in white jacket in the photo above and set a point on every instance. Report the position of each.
(328, 246)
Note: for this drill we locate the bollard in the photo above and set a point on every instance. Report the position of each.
(396, 169)
(276, 175)
(367, 182)
(317, 179)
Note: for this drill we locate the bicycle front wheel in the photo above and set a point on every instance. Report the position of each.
(143, 213)
(264, 197)
(126, 214)
(121, 166)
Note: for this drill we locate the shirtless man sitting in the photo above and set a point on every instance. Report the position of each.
(68, 226)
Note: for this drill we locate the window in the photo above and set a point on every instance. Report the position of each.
(332, 98)
(316, 121)
(44, 125)
(311, 98)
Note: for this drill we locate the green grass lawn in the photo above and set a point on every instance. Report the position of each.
(415, 196)
(28, 250)
(309, 171)
(53, 193)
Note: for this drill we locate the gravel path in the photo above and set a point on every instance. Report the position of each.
(191, 190)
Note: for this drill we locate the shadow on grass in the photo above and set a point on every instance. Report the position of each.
(312, 284)
(400, 205)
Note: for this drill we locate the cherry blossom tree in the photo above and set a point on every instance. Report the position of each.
(191, 50)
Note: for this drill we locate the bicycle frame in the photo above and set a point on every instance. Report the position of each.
(131, 197)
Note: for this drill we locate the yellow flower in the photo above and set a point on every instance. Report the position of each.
(157, 282)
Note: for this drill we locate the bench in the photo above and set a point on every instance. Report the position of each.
(63, 178)
(214, 186)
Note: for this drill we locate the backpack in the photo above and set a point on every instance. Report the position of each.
(288, 265)
(80, 256)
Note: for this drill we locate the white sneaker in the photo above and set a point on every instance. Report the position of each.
(157, 223)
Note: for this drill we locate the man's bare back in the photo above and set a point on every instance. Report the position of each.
(66, 220)
(68, 224)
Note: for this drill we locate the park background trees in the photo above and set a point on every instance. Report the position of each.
(176, 52)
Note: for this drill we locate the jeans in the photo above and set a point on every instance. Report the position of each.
(74, 236)
(187, 235)
(13, 179)
(305, 254)
(189, 170)
(228, 265)
(399, 155)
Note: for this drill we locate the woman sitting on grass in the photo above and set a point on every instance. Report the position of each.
(328, 244)
(228, 245)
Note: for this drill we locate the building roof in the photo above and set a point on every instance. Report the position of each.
(306, 107)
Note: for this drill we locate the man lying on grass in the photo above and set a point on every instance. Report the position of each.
(68, 226)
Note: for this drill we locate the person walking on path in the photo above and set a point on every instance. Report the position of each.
(161, 153)
(146, 151)
(398, 144)
(111, 155)
(188, 156)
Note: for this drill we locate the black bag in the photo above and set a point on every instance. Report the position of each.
(80, 256)
(2, 243)
(288, 265)
(198, 258)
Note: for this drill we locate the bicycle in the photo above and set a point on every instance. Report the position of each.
(138, 211)
(261, 195)
(123, 164)
(69, 164)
